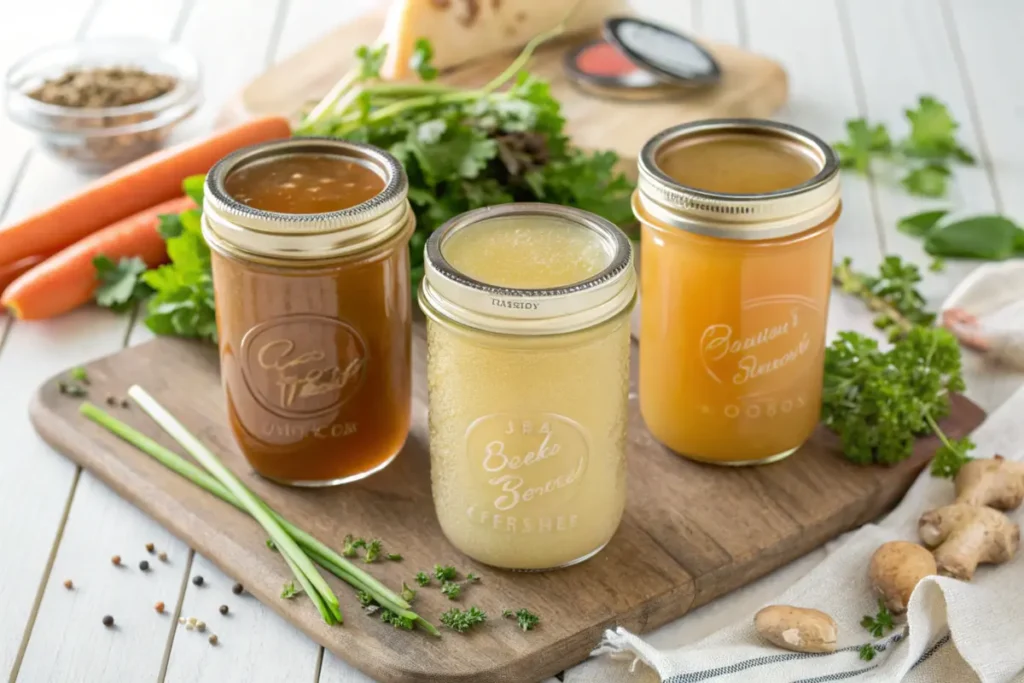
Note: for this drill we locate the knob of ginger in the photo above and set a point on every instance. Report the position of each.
(995, 482)
(964, 536)
(797, 628)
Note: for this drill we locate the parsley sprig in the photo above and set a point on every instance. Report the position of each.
(892, 294)
(925, 154)
(461, 621)
(879, 624)
(526, 619)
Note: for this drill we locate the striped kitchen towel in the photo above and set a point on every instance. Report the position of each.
(955, 632)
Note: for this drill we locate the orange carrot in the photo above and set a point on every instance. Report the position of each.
(153, 179)
(12, 271)
(67, 279)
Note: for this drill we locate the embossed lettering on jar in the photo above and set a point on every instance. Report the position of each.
(737, 221)
(311, 275)
(528, 371)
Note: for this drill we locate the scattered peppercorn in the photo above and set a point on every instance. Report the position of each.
(200, 626)
(191, 621)
(150, 548)
(237, 589)
(159, 607)
(189, 626)
(144, 566)
(223, 609)
(108, 621)
(162, 556)
(197, 580)
(213, 639)
(68, 584)
(124, 403)
(116, 559)
(111, 401)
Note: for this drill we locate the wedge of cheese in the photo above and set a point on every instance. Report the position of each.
(466, 30)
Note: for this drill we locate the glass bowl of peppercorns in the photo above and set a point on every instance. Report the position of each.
(100, 104)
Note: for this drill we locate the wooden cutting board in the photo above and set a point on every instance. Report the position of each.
(691, 532)
(752, 85)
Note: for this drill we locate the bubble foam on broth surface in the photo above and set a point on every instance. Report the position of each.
(527, 252)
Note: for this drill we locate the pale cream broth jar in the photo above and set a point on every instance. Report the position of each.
(528, 368)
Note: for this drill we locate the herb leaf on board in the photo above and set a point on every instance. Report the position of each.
(983, 237)
(121, 284)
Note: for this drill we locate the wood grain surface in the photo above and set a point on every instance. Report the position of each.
(752, 85)
(691, 532)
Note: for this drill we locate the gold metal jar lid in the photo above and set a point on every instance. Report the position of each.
(236, 227)
(739, 216)
(447, 293)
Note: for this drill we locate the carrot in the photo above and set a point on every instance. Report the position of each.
(11, 271)
(67, 279)
(153, 179)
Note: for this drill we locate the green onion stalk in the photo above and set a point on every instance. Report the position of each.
(289, 539)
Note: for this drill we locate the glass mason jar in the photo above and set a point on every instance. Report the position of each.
(311, 276)
(528, 345)
(737, 219)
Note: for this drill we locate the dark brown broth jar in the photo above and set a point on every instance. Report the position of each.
(311, 275)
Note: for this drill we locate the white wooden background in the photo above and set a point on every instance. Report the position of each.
(844, 58)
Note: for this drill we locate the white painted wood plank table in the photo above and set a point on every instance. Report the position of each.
(844, 58)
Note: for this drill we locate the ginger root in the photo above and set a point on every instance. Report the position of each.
(797, 628)
(964, 536)
(995, 482)
(895, 570)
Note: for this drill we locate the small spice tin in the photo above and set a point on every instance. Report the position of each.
(639, 60)
(528, 344)
(737, 221)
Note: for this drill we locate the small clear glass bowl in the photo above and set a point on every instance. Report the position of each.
(97, 140)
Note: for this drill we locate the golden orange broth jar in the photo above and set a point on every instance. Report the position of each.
(737, 219)
(309, 240)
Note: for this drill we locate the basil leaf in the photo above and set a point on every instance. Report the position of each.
(983, 237)
(920, 224)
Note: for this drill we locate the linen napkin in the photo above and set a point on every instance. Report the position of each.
(955, 631)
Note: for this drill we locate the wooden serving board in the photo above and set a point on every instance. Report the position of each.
(752, 85)
(691, 532)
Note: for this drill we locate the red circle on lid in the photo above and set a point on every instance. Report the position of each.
(604, 59)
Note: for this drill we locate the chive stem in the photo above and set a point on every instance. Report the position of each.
(318, 551)
(249, 501)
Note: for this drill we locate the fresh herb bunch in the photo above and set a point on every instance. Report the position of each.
(464, 149)
(892, 294)
(879, 401)
(879, 624)
(925, 153)
(526, 619)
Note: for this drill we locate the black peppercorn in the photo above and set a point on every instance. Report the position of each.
(108, 621)
(237, 589)
(197, 580)
(223, 609)
(144, 566)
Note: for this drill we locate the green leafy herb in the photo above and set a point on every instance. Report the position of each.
(867, 652)
(350, 547)
(70, 389)
(933, 133)
(373, 550)
(930, 180)
(527, 620)
(892, 294)
(879, 624)
(451, 590)
(951, 456)
(289, 590)
(925, 154)
(79, 374)
(994, 238)
(422, 578)
(121, 284)
(937, 265)
(879, 401)
(194, 186)
(445, 572)
(183, 301)
(460, 621)
(397, 620)
(920, 224)
(365, 599)
(408, 594)
(370, 60)
(862, 142)
(422, 56)
(394, 557)
(472, 578)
